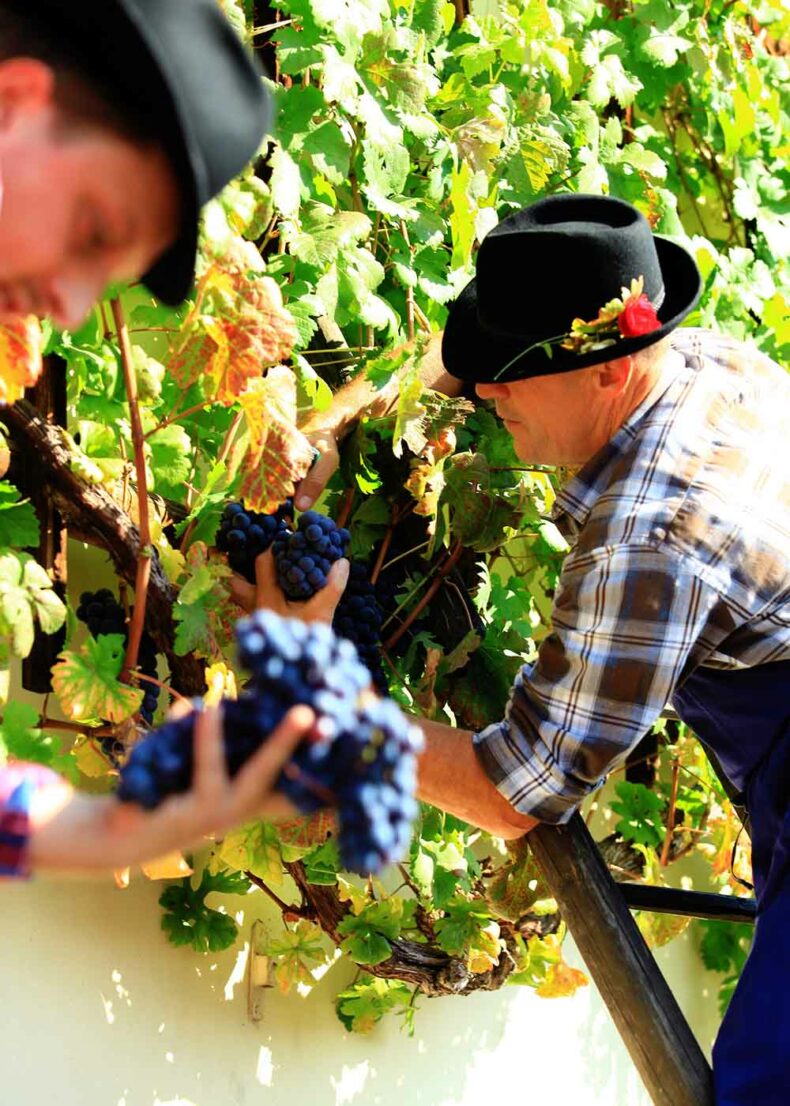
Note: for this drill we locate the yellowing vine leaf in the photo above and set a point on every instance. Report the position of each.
(170, 866)
(220, 684)
(253, 848)
(278, 455)
(20, 356)
(292, 950)
(87, 685)
(561, 981)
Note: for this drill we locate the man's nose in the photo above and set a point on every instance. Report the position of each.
(491, 391)
(75, 296)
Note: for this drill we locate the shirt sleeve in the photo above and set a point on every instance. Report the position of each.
(18, 783)
(628, 623)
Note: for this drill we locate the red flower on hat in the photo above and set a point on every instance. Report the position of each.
(637, 317)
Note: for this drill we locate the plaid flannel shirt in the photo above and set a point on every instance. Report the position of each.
(18, 783)
(680, 535)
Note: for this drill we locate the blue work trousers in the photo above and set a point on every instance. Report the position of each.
(743, 716)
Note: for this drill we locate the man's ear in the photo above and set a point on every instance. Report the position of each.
(613, 376)
(25, 84)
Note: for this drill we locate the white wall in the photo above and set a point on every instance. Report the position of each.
(100, 1011)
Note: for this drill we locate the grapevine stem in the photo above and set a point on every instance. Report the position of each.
(271, 27)
(345, 511)
(410, 289)
(274, 897)
(45, 723)
(140, 677)
(174, 418)
(138, 441)
(422, 318)
(417, 610)
(671, 815)
(408, 553)
(385, 544)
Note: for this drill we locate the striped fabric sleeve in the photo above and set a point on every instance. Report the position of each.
(628, 622)
(18, 784)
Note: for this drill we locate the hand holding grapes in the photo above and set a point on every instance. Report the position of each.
(267, 594)
(90, 833)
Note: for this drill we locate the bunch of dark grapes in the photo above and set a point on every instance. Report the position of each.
(358, 617)
(103, 614)
(303, 557)
(361, 756)
(243, 535)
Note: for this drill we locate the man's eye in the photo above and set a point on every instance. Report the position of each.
(97, 239)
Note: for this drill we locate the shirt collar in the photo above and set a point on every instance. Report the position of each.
(575, 501)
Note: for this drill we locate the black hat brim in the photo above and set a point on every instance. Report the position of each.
(477, 354)
(172, 276)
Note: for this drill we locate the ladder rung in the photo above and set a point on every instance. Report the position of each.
(691, 904)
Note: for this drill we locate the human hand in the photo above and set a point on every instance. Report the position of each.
(319, 475)
(266, 593)
(88, 833)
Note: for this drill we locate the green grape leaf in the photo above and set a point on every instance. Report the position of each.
(26, 594)
(18, 523)
(641, 814)
(87, 685)
(171, 459)
(463, 923)
(322, 864)
(21, 739)
(188, 921)
(367, 935)
(366, 1001)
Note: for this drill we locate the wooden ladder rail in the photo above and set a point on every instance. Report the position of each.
(643, 1008)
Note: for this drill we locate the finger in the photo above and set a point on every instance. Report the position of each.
(179, 708)
(210, 773)
(321, 608)
(261, 771)
(318, 476)
(242, 592)
(267, 590)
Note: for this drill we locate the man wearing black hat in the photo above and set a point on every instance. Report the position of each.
(677, 586)
(119, 119)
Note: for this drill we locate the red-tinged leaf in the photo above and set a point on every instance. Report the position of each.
(279, 455)
(196, 350)
(300, 835)
(20, 356)
(239, 327)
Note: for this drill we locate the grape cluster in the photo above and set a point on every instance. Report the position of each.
(304, 556)
(361, 756)
(103, 614)
(358, 617)
(243, 535)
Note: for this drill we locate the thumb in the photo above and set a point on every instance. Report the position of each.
(266, 587)
(321, 608)
(318, 477)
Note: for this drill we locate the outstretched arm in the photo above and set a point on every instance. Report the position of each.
(452, 778)
(326, 429)
(84, 833)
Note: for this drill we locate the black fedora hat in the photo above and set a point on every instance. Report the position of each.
(570, 281)
(184, 71)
